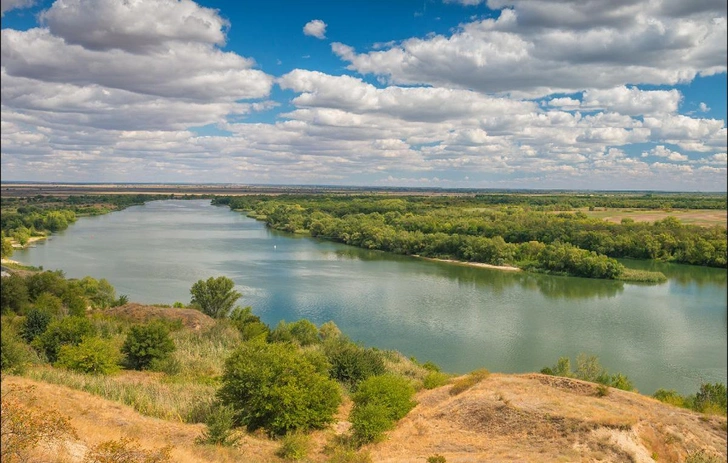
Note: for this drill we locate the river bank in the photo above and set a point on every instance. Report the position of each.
(507, 268)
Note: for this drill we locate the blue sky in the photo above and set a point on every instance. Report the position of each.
(459, 93)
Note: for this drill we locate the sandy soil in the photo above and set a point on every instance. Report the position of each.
(472, 264)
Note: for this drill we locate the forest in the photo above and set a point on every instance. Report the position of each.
(479, 228)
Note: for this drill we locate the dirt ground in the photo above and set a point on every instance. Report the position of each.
(504, 418)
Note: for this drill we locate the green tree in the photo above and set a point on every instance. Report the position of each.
(274, 387)
(146, 343)
(7, 247)
(13, 294)
(67, 331)
(35, 323)
(214, 297)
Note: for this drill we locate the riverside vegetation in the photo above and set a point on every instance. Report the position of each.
(533, 233)
(233, 373)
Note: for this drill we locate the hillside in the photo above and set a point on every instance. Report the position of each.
(533, 418)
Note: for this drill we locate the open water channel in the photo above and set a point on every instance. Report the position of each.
(671, 335)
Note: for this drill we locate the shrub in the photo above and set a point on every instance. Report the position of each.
(466, 382)
(701, 456)
(431, 366)
(345, 454)
(378, 403)
(329, 330)
(146, 343)
(711, 398)
(126, 451)
(219, 427)
(305, 332)
(35, 323)
(602, 390)
(67, 331)
(620, 381)
(50, 304)
(294, 446)
(435, 379)
(49, 282)
(93, 355)
(15, 355)
(436, 459)
(562, 368)
(351, 364)
(13, 294)
(369, 422)
(272, 386)
(669, 397)
(248, 324)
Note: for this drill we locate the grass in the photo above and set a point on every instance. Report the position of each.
(642, 276)
(170, 401)
(466, 382)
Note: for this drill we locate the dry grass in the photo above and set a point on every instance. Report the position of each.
(702, 217)
(134, 312)
(537, 418)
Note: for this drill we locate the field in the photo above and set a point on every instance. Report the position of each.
(702, 217)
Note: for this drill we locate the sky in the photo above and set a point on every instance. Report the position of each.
(535, 94)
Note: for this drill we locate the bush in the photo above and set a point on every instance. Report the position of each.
(369, 422)
(302, 332)
(93, 355)
(248, 324)
(35, 323)
(465, 383)
(13, 294)
(378, 403)
(15, 355)
(50, 304)
(436, 459)
(294, 446)
(711, 398)
(669, 397)
(435, 379)
(67, 331)
(351, 364)
(146, 343)
(272, 386)
(701, 456)
(219, 427)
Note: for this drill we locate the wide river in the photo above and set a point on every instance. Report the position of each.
(671, 335)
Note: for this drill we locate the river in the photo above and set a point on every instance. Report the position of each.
(671, 335)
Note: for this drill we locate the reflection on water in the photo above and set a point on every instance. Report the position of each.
(670, 335)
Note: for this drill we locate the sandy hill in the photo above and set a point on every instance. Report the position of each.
(505, 418)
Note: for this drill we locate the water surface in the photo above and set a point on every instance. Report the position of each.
(671, 335)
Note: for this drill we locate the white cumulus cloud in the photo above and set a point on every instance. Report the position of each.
(315, 28)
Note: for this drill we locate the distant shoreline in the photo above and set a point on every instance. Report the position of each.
(507, 268)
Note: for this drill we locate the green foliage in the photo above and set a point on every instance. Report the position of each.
(146, 343)
(7, 247)
(46, 282)
(302, 332)
(126, 451)
(437, 458)
(294, 446)
(219, 426)
(602, 390)
(329, 331)
(350, 363)
(123, 299)
(588, 368)
(93, 355)
(669, 397)
(214, 297)
(711, 398)
(344, 454)
(13, 294)
(620, 381)
(15, 355)
(435, 379)
(67, 331)
(466, 382)
(380, 401)
(369, 422)
(35, 323)
(49, 304)
(248, 324)
(274, 387)
(99, 293)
